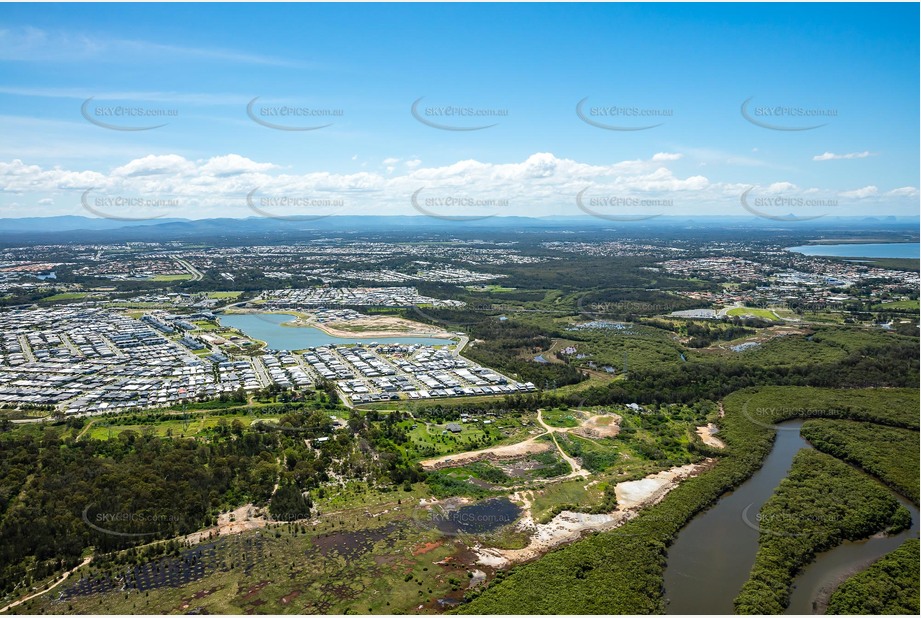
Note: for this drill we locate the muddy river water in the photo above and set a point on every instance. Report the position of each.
(710, 559)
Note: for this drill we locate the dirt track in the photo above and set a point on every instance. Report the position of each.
(568, 526)
(509, 451)
(60, 580)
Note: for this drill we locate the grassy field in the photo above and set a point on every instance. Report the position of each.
(64, 296)
(21, 414)
(197, 424)
(222, 295)
(560, 418)
(183, 277)
(490, 288)
(434, 439)
(356, 561)
(765, 314)
(788, 351)
(643, 348)
(556, 497)
(206, 325)
(898, 305)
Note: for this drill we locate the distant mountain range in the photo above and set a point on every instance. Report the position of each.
(57, 229)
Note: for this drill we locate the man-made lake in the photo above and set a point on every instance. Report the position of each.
(268, 327)
(870, 250)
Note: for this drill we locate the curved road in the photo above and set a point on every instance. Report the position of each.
(577, 470)
(57, 583)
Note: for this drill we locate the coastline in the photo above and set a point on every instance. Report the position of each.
(841, 249)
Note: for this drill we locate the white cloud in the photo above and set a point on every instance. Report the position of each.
(390, 164)
(830, 156)
(864, 192)
(540, 184)
(232, 165)
(780, 187)
(903, 192)
(29, 44)
(155, 164)
(666, 156)
(721, 157)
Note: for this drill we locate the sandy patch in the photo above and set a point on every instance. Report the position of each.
(599, 426)
(510, 451)
(634, 494)
(247, 517)
(385, 326)
(707, 434)
(568, 526)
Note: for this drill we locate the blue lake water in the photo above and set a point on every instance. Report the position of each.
(871, 250)
(268, 327)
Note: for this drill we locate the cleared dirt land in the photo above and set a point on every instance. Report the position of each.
(378, 326)
(707, 433)
(568, 526)
(599, 426)
(530, 446)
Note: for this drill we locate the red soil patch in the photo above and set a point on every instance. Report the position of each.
(256, 589)
(424, 549)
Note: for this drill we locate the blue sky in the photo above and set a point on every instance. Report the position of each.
(688, 67)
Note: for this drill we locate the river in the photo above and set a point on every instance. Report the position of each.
(711, 558)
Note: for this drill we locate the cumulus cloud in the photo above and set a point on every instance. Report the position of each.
(390, 164)
(830, 156)
(666, 156)
(864, 192)
(155, 164)
(903, 192)
(541, 183)
(232, 165)
(779, 187)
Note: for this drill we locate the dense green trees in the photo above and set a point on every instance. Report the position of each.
(621, 571)
(822, 502)
(508, 347)
(889, 454)
(117, 493)
(289, 504)
(888, 586)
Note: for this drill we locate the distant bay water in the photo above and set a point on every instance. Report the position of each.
(858, 250)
